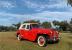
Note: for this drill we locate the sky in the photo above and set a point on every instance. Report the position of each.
(14, 11)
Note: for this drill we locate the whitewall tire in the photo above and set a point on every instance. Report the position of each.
(41, 41)
(19, 38)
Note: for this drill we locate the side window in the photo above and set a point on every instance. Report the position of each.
(23, 26)
(28, 27)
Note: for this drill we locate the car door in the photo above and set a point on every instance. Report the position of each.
(29, 33)
(23, 31)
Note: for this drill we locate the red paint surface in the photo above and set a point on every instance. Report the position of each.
(32, 34)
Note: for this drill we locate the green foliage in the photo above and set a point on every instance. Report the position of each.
(46, 24)
(56, 22)
(70, 2)
(17, 25)
(70, 25)
(71, 28)
(63, 25)
(71, 21)
(7, 28)
(32, 21)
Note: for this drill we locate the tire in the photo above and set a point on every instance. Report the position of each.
(19, 38)
(57, 41)
(41, 41)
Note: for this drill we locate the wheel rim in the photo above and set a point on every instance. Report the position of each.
(41, 41)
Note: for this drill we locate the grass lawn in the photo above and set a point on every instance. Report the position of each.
(8, 41)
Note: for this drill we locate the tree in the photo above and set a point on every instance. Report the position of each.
(17, 25)
(56, 22)
(64, 25)
(70, 25)
(71, 21)
(57, 25)
(32, 21)
(70, 2)
(46, 24)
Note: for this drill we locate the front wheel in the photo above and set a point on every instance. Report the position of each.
(41, 41)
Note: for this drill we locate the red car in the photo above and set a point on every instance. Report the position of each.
(33, 32)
